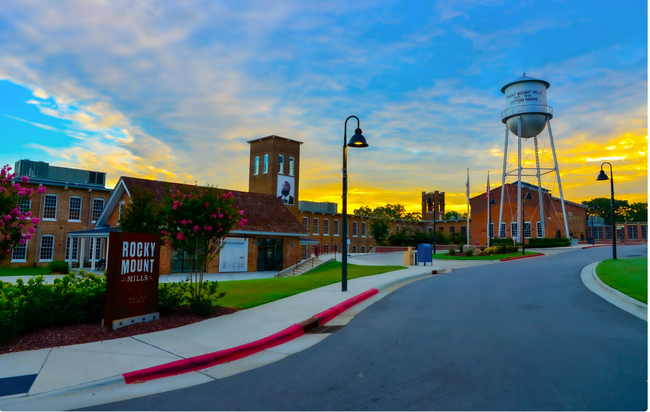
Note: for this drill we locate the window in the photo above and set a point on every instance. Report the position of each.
(355, 229)
(266, 163)
(305, 250)
(463, 230)
(598, 233)
(363, 249)
(429, 230)
(25, 205)
(608, 232)
(452, 229)
(491, 232)
(119, 211)
(98, 249)
(19, 252)
(326, 227)
(632, 232)
(441, 229)
(644, 231)
(75, 249)
(315, 225)
(514, 230)
(336, 227)
(291, 166)
(281, 165)
(47, 248)
(49, 210)
(256, 170)
(98, 208)
(363, 229)
(538, 226)
(397, 228)
(354, 248)
(305, 223)
(527, 230)
(74, 214)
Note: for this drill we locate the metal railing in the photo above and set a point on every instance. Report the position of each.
(526, 108)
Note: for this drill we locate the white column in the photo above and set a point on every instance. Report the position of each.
(107, 244)
(82, 244)
(539, 195)
(559, 182)
(503, 182)
(93, 247)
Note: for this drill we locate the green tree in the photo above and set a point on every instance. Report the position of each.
(141, 214)
(451, 215)
(639, 212)
(417, 216)
(624, 212)
(363, 211)
(389, 211)
(380, 229)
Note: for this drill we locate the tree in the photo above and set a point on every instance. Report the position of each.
(196, 221)
(417, 216)
(380, 229)
(363, 211)
(16, 227)
(452, 215)
(639, 212)
(624, 212)
(389, 211)
(140, 215)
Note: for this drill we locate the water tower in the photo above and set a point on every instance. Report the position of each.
(526, 116)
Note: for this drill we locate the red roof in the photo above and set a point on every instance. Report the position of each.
(264, 213)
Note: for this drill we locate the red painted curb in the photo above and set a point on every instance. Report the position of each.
(228, 355)
(521, 257)
(591, 247)
(334, 311)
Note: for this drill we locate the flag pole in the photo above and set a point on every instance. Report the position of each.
(487, 196)
(468, 208)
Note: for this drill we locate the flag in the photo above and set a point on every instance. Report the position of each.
(487, 191)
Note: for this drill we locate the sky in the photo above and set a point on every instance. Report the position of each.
(174, 90)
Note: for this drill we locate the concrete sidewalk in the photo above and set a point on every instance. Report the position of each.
(58, 374)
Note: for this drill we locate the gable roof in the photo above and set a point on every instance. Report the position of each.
(264, 213)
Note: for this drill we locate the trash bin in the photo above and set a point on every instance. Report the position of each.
(591, 241)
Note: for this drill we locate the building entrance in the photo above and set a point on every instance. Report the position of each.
(269, 254)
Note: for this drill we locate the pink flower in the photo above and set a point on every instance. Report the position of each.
(16, 186)
(206, 204)
(209, 227)
(175, 207)
(220, 215)
(241, 212)
(213, 215)
(189, 221)
(184, 196)
(35, 221)
(166, 242)
(31, 229)
(183, 222)
(41, 189)
(180, 236)
(163, 232)
(25, 179)
(22, 192)
(243, 221)
(229, 195)
(22, 241)
(196, 228)
(220, 230)
(28, 236)
(8, 218)
(20, 226)
(28, 214)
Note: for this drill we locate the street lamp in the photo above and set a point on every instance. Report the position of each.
(523, 218)
(356, 141)
(433, 212)
(603, 176)
(492, 202)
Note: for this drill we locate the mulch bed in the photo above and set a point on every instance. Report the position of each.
(54, 336)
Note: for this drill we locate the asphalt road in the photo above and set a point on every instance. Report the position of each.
(522, 335)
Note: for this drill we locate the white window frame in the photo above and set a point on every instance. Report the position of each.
(363, 248)
(292, 166)
(538, 229)
(280, 164)
(25, 201)
(363, 229)
(514, 231)
(20, 247)
(315, 225)
(119, 212)
(326, 227)
(632, 232)
(530, 230)
(56, 206)
(452, 229)
(461, 230)
(337, 228)
(266, 163)
(354, 249)
(305, 223)
(98, 248)
(396, 228)
(256, 166)
(503, 230)
(491, 233)
(68, 243)
(304, 251)
(355, 229)
(40, 250)
(94, 215)
(70, 208)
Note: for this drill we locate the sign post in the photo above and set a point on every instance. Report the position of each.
(131, 279)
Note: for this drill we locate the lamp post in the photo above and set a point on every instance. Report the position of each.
(523, 223)
(603, 176)
(490, 235)
(433, 212)
(355, 141)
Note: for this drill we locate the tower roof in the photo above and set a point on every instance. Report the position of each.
(525, 78)
(273, 137)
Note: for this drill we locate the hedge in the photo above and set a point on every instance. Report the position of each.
(502, 241)
(548, 242)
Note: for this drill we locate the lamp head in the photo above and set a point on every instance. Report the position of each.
(429, 201)
(357, 140)
(602, 175)
(528, 196)
(493, 202)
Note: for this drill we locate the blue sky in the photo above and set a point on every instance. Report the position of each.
(174, 91)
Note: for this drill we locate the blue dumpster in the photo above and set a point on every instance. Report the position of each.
(425, 253)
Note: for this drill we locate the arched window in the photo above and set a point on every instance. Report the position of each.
(291, 166)
(257, 166)
(281, 165)
(266, 163)
(363, 229)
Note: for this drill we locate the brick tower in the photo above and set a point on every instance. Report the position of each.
(274, 166)
(437, 206)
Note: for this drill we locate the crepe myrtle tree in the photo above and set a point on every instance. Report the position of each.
(16, 227)
(195, 221)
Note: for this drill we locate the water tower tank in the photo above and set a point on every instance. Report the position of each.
(526, 96)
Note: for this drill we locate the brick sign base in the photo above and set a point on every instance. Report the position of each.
(131, 279)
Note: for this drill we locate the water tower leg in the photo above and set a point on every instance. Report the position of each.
(503, 181)
(519, 224)
(559, 182)
(539, 192)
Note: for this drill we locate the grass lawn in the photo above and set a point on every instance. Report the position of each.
(459, 256)
(26, 273)
(246, 294)
(629, 276)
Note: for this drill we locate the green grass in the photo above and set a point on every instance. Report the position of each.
(629, 276)
(461, 256)
(246, 294)
(25, 273)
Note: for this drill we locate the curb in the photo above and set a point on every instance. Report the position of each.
(521, 257)
(591, 247)
(619, 299)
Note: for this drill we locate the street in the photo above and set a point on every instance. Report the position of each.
(520, 335)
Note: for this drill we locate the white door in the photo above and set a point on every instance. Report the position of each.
(234, 255)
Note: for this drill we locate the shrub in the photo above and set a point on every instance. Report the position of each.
(59, 266)
(548, 242)
(205, 303)
(452, 251)
(503, 249)
(469, 251)
(512, 249)
(173, 295)
(502, 241)
(492, 250)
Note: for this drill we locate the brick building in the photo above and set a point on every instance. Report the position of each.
(74, 200)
